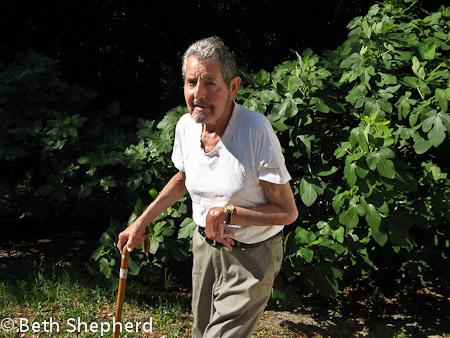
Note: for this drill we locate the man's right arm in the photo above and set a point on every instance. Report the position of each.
(172, 192)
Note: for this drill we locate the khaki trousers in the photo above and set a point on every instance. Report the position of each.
(231, 289)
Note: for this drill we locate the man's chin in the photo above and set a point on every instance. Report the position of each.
(199, 117)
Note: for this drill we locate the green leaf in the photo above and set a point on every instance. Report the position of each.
(307, 192)
(436, 173)
(435, 128)
(105, 238)
(98, 252)
(303, 236)
(157, 229)
(269, 96)
(417, 69)
(262, 77)
(442, 99)
(361, 169)
(327, 172)
(416, 64)
(105, 267)
(428, 50)
(338, 202)
(168, 231)
(187, 228)
(386, 79)
(350, 173)
(381, 161)
(133, 267)
(306, 254)
(338, 234)
(153, 192)
(154, 245)
(357, 96)
(380, 237)
(305, 144)
(84, 160)
(320, 105)
(421, 145)
(338, 248)
(354, 59)
(366, 29)
(404, 105)
(350, 217)
(287, 108)
(373, 217)
(139, 207)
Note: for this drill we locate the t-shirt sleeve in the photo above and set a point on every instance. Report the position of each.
(177, 154)
(272, 167)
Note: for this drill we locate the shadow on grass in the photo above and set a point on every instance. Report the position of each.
(64, 246)
(59, 253)
(368, 312)
(46, 271)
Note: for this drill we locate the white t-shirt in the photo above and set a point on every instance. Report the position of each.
(249, 151)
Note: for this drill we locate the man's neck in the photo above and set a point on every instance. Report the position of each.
(219, 126)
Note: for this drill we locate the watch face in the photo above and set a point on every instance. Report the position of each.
(229, 208)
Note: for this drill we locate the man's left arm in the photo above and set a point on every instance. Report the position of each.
(280, 210)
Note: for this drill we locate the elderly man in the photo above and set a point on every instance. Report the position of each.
(230, 161)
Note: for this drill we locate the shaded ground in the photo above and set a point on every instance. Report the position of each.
(425, 313)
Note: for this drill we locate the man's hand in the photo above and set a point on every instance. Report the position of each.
(216, 229)
(131, 236)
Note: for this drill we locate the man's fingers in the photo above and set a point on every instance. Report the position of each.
(121, 242)
(133, 242)
(225, 242)
(230, 240)
(125, 239)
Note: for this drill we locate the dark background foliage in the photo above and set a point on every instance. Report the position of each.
(130, 50)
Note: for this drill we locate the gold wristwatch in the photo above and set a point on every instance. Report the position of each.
(229, 208)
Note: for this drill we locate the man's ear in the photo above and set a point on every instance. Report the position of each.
(234, 86)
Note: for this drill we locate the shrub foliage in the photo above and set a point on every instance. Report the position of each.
(364, 130)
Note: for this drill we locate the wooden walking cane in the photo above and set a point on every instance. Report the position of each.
(122, 282)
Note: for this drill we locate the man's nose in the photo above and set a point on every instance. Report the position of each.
(199, 90)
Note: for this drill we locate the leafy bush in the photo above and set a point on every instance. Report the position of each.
(166, 244)
(365, 130)
(46, 128)
(59, 156)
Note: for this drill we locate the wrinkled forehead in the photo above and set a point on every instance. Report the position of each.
(205, 69)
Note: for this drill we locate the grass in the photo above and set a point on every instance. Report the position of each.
(51, 302)
(68, 301)
(45, 281)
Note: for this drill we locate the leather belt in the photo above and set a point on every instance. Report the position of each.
(237, 244)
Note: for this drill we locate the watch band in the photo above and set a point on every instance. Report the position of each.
(228, 220)
(229, 208)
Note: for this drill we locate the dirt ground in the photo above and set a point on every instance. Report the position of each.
(424, 313)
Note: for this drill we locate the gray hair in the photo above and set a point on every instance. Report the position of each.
(212, 49)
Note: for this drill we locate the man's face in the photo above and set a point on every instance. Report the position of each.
(207, 96)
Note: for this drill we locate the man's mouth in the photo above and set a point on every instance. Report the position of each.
(201, 108)
(200, 105)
